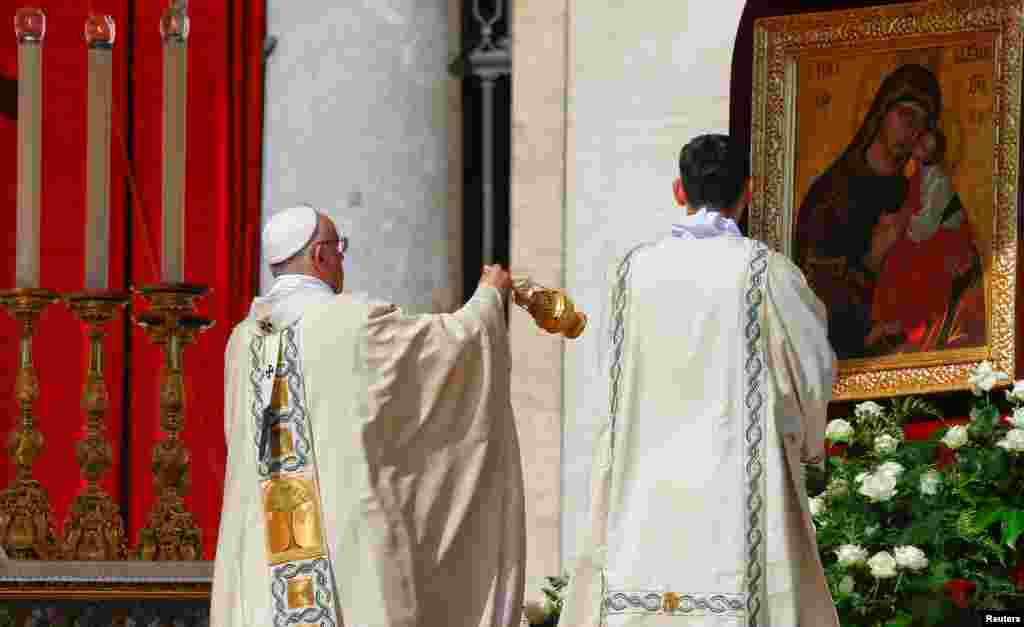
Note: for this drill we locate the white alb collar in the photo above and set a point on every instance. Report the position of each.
(705, 223)
(288, 298)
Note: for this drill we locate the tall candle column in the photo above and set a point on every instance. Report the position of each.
(30, 27)
(99, 35)
(94, 529)
(170, 532)
(174, 32)
(26, 531)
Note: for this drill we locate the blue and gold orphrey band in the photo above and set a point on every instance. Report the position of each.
(302, 584)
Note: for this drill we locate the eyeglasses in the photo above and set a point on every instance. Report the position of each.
(340, 244)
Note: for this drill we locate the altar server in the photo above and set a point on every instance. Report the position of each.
(720, 375)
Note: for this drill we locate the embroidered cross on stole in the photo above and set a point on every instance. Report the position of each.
(302, 584)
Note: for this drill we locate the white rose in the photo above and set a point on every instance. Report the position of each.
(868, 409)
(851, 555)
(892, 469)
(885, 444)
(930, 482)
(838, 431)
(861, 477)
(1017, 393)
(836, 487)
(816, 505)
(983, 378)
(846, 585)
(1013, 441)
(882, 565)
(955, 437)
(878, 487)
(1017, 417)
(534, 612)
(911, 557)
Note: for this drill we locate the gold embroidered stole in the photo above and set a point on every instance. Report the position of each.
(302, 585)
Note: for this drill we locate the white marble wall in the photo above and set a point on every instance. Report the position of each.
(359, 121)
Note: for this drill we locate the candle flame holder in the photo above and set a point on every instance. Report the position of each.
(26, 531)
(551, 309)
(94, 529)
(100, 31)
(171, 533)
(30, 25)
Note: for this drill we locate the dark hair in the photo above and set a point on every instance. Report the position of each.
(714, 170)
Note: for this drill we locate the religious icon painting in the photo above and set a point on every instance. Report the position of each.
(885, 148)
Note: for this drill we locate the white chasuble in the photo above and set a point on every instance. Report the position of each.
(398, 498)
(720, 375)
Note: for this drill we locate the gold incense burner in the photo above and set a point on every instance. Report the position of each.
(551, 309)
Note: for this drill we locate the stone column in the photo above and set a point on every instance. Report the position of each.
(539, 90)
(360, 117)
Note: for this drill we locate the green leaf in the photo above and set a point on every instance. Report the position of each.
(900, 620)
(1013, 526)
(984, 420)
(997, 464)
(990, 515)
(932, 611)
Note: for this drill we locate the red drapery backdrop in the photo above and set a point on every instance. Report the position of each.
(224, 145)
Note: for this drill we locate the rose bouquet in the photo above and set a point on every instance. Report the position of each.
(914, 530)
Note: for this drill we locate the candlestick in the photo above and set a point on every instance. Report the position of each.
(99, 37)
(94, 529)
(171, 533)
(26, 531)
(30, 28)
(174, 31)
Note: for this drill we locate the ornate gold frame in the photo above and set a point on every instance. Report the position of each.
(778, 43)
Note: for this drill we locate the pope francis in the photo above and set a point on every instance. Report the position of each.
(373, 475)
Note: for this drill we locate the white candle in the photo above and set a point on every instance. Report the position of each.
(174, 31)
(30, 28)
(99, 37)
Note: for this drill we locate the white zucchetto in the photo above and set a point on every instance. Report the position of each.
(287, 231)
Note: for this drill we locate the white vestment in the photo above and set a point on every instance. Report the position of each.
(721, 373)
(415, 450)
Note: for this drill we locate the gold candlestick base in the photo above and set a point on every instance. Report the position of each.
(551, 309)
(171, 534)
(94, 529)
(26, 530)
